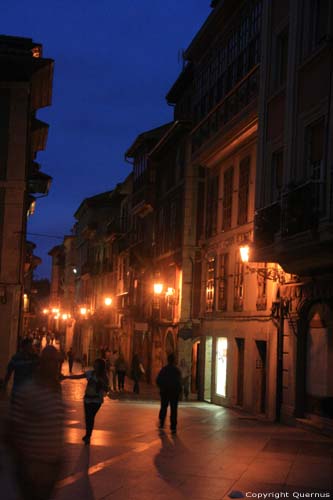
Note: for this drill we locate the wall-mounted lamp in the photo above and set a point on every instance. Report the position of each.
(274, 273)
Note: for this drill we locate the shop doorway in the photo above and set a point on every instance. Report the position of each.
(260, 376)
(195, 367)
(208, 369)
(240, 370)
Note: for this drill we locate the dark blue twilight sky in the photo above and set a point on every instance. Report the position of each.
(114, 63)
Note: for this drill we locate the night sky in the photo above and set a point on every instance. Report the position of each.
(114, 63)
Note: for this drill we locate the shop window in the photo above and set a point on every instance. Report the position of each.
(221, 366)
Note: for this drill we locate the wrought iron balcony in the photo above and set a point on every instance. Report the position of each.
(267, 224)
(301, 208)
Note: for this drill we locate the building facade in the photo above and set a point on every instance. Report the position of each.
(26, 85)
(294, 196)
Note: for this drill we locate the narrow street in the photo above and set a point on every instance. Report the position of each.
(215, 452)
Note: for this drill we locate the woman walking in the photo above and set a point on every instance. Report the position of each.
(97, 387)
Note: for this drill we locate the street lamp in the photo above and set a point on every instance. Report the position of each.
(280, 311)
(83, 311)
(274, 273)
(158, 288)
(108, 301)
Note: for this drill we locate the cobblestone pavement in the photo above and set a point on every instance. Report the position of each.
(216, 453)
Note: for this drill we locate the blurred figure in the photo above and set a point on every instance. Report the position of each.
(62, 357)
(169, 383)
(70, 359)
(185, 378)
(22, 364)
(97, 387)
(36, 428)
(121, 367)
(137, 370)
(113, 370)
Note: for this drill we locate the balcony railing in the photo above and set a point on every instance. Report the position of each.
(301, 208)
(234, 102)
(143, 200)
(267, 224)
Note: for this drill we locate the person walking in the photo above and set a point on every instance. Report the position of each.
(35, 432)
(121, 367)
(70, 358)
(169, 383)
(22, 365)
(137, 371)
(185, 378)
(97, 387)
(113, 370)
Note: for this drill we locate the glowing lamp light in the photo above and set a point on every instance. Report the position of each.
(64, 317)
(56, 316)
(45, 311)
(170, 291)
(245, 253)
(55, 310)
(74, 270)
(158, 288)
(107, 301)
(83, 311)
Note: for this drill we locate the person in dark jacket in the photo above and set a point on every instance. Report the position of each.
(22, 364)
(169, 383)
(137, 371)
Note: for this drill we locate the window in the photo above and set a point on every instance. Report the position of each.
(319, 20)
(211, 206)
(228, 181)
(223, 283)
(243, 190)
(315, 142)
(239, 284)
(262, 289)
(276, 175)
(210, 285)
(140, 166)
(281, 59)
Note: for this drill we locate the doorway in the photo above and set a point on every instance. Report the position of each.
(240, 370)
(195, 367)
(260, 376)
(208, 369)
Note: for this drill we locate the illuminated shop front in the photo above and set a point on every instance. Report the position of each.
(221, 366)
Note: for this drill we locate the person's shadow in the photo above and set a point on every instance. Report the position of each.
(171, 446)
(79, 486)
(83, 465)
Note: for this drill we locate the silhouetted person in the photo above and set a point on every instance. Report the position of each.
(169, 383)
(22, 364)
(36, 428)
(121, 367)
(70, 358)
(97, 387)
(137, 371)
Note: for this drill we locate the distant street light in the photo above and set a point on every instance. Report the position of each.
(158, 288)
(83, 311)
(108, 301)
